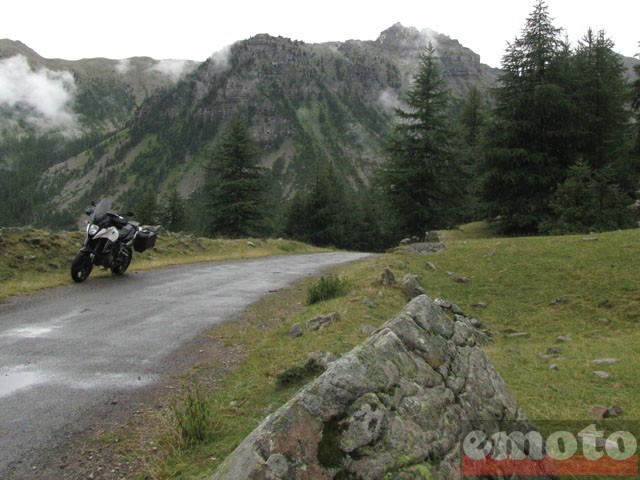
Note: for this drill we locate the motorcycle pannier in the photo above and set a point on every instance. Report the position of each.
(144, 240)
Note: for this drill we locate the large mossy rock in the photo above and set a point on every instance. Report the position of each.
(399, 404)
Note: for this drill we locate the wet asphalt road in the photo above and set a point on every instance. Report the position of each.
(67, 350)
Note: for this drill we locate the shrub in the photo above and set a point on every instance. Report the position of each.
(327, 288)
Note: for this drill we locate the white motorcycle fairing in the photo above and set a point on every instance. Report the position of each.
(110, 234)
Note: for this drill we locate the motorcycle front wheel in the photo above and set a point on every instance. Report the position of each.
(81, 267)
(122, 262)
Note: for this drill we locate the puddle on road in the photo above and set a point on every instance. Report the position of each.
(29, 332)
(13, 381)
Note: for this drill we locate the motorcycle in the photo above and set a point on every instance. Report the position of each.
(109, 242)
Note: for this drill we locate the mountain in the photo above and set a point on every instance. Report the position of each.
(86, 95)
(307, 104)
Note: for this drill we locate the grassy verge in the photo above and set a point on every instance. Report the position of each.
(33, 259)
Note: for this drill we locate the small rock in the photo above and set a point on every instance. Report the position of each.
(589, 239)
(431, 237)
(461, 279)
(615, 410)
(559, 300)
(295, 330)
(369, 303)
(599, 411)
(442, 303)
(369, 330)
(553, 366)
(479, 305)
(490, 253)
(387, 277)
(456, 309)
(554, 351)
(321, 321)
(233, 403)
(476, 323)
(518, 335)
(320, 359)
(601, 361)
(601, 374)
(251, 244)
(411, 286)
(432, 266)
(563, 339)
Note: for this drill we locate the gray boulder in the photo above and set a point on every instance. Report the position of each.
(397, 406)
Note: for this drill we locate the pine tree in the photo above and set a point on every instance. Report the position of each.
(602, 96)
(322, 215)
(421, 178)
(146, 209)
(636, 105)
(473, 120)
(172, 210)
(528, 145)
(588, 200)
(236, 184)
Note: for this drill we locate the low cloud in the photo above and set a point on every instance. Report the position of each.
(43, 97)
(123, 66)
(389, 100)
(173, 69)
(219, 61)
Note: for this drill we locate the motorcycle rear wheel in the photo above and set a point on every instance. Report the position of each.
(81, 267)
(123, 262)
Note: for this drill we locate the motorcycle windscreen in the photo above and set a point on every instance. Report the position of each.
(101, 210)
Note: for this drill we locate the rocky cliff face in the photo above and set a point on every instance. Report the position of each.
(398, 405)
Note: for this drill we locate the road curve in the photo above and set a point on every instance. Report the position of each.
(65, 351)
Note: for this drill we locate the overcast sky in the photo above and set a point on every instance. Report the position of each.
(195, 29)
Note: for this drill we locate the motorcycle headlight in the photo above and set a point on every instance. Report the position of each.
(93, 229)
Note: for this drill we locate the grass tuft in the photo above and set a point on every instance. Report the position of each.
(327, 288)
(191, 416)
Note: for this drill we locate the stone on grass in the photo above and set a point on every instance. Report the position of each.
(601, 374)
(295, 330)
(411, 287)
(387, 277)
(518, 335)
(604, 361)
(369, 330)
(461, 279)
(559, 300)
(321, 321)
